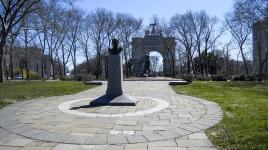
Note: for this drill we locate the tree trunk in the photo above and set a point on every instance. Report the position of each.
(63, 62)
(188, 65)
(237, 64)
(98, 65)
(227, 63)
(173, 66)
(74, 71)
(215, 62)
(199, 62)
(6, 69)
(52, 68)
(37, 68)
(27, 63)
(260, 68)
(88, 66)
(21, 69)
(11, 66)
(27, 68)
(60, 69)
(42, 65)
(64, 70)
(266, 58)
(74, 62)
(1, 67)
(53, 71)
(26, 53)
(244, 59)
(260, 56)
(2, 50)
(43, 53)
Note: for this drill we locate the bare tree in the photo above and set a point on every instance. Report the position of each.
(240, 32)
(181, 60)
(74, 35)
(54, 34)
(67, 37)
(199, 21)
(65, 55)
(210, 40)
(251, 13)
(184, 34)
(196, 33)
(12, 39)
(65, 48)
(127, 27)
(51, 23)
(41, 26)
(168, 44)
(84, 42)
(101, 23)
(12, 12)
(226, 55)
(27, 36)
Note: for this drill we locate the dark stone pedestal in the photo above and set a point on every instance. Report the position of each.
(121, 100)
(114, 93)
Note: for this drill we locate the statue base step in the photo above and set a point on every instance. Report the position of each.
(109, 100)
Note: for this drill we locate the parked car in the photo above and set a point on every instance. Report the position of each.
(18, 77)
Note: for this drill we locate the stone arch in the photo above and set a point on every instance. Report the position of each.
(153, 42)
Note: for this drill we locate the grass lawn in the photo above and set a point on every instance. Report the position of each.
(245, 106)
(10, 92)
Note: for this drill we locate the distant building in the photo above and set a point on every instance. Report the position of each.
(260, 46)
(34, 60)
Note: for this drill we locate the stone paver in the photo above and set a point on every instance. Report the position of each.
(198, 136)
(194, 143)
(39, 124)
(18, 142)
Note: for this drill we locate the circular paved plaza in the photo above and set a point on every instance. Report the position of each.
(161, 119)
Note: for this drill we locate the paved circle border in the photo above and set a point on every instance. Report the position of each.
(9, 123)
(65, 107)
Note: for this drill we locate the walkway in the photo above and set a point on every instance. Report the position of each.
(162, 120)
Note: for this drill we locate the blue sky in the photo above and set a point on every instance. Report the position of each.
(145, 9)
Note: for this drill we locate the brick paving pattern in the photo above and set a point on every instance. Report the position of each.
(39, 124)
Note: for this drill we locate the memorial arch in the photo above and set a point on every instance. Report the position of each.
(153, 41)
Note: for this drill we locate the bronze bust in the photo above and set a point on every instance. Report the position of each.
(115, 50)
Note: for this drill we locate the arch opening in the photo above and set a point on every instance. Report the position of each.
(156, 63)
